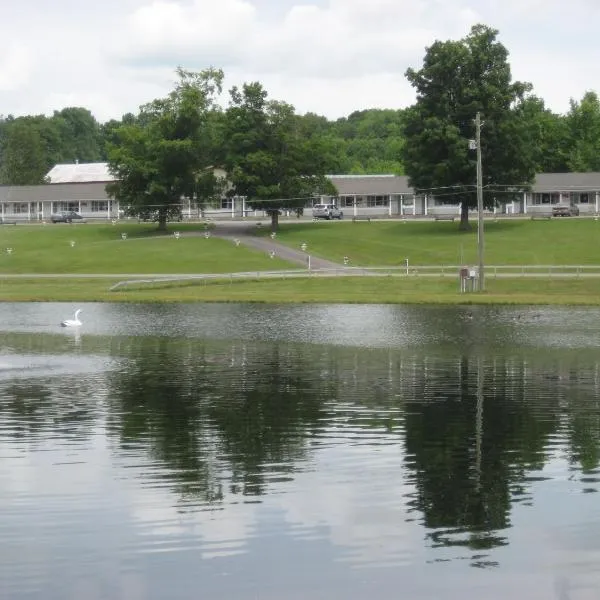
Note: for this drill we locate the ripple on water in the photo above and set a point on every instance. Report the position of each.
(179, 459)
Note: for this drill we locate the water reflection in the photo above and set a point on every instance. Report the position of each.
(341, 457)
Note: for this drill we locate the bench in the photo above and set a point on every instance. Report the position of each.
(361, 218)
(444, 218)
(5, 222)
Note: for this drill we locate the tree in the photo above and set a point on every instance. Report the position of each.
(80, 135)
(548, 135)
(158, 157)
(458, 79)
(583, 121)
(23, 154)
(267, 160)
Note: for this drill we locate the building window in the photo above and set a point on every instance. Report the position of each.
(67, 206)
(546, 198)
(20, 208)
(347, 201)
(377, 201)
(99, 205)
(407, 200)
(227, 203)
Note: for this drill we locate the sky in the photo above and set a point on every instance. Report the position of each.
(330, 57)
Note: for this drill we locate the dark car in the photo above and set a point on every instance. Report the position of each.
(67, 216)
(565, 211)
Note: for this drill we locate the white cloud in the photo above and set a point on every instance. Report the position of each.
(15, 66)
(345, 38)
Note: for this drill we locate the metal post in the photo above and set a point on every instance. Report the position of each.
(480, 240)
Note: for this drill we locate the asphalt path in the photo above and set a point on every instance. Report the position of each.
(245, 233)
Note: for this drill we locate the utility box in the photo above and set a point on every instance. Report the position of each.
(469, 279)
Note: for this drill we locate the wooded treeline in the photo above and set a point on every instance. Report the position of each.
(366, 141)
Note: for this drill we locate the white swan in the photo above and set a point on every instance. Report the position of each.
(74, 322)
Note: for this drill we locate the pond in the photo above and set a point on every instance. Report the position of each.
(236, 451)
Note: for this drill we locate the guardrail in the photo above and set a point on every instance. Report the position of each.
(492, 271)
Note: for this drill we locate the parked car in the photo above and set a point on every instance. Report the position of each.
(565, 211)
(326, 211)
(67, 216)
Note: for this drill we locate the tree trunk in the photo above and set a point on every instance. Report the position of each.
(464, 217)
(274, 220)
(162, 221)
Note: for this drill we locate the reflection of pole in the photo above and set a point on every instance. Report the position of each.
(478, 424)
(480, 244)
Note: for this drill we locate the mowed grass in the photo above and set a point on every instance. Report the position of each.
(356, 290)
(507, 242)
(99, 248)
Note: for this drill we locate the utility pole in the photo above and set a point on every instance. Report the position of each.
(480, 242)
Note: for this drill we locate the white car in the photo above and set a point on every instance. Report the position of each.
(326, 211)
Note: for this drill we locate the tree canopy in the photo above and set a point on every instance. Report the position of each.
(268, 160)
(457, 80)
(158, 158)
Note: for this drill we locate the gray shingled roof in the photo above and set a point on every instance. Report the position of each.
(347, 185)
(55, 192)
(566, 182)
(381, 185)
(370, 185)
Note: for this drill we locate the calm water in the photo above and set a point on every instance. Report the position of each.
(250, 452)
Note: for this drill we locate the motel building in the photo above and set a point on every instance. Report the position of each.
(81, 187)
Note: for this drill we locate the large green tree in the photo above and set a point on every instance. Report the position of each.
(158, 157)
(583, 121)
(80, 135)
(268, 161)
(549, 136)
(23, 154)
(457, 80)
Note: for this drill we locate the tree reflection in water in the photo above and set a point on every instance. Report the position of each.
(229, 418)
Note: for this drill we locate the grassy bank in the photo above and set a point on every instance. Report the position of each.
(100, 250)
(360, 290)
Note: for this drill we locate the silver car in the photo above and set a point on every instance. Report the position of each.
(67, 216)
(326, 211)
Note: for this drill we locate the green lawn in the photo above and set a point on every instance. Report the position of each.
(507, 242)
(363, 290)
(99, 248)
